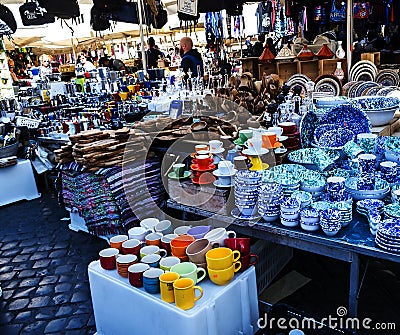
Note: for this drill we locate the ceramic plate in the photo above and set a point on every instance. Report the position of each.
(363, 65)
(386, 90)
(218, 184)
(308, 124)
(364, 86)
(388, 78)
(347, 86)
(186, 174)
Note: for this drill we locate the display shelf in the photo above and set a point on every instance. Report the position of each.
(308, 68)
(328, 66)
(250, 64)
(286, 70)
(374, 57)
(267, 68)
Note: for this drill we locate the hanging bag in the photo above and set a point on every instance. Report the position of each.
(99, 20)
(34, 15)
(64, 9)
(161, 19)
(338, 15)
(127, 13)
(361, 10)
(8, 25)
(108, 5)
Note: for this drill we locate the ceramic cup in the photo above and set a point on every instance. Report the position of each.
(232, 153)
(225, 167)
(289, 128)
(204, 161)
(131, 246)
(181, 230)
(241, 163)
(154, 239)
(255, 145)
(153, 260)
(149, 223)
(199, 231)
(366, 163)
(198, 249)
(215, 145)
(322, 161)
(138, 233)
(184, 293)
(189, 270)
(116, 241)
(221, 258)
(164, 227)
(179, 169)
(247, 261)
(223, 277)
(245, 134)
(201, 147)
(135, 274)
(389, 171)
(168, 262)
(277, 130)
(241, 244)
(218, 235)
(167, 286)
(352, 149)
(367, 142)
(123, 263)
(179, 245)
(151, 281)
(166, 240)
(296, 332)
(256, 163)
(152, 249)
(108, 258)
(268, 140)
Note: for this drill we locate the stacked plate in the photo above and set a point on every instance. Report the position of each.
(290, 212)
(322, 205)
(388, 77)
(346, 212)
(329, 84)
(313, 182)
(392, 211)
(309, 219)
(289, 186)
(384, 91)
(363, 71)
(304, 198)
(367, 205)
(374, 219)
(388, 235)
(269, 201)
(298, 80)
(330, 221)
(247, 187)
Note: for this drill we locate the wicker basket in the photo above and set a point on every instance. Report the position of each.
(9, 150)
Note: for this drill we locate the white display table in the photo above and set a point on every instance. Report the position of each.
(17, 182)
(120, 308)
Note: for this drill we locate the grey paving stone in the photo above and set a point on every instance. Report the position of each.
(36, 327)
(64, 287)
(61, 298)
(28, 243)
(9, 246)
(77, 322)
(27, 274)
(64, 278)
(44, 247)
(80, 296)
(11, 253)
(91, 322)
(58, 253)
(44, 316)
(24, 293)
(20, 258)
(7, 276)
(6, 318)
(29, 282)
(64, 269)
(74, 332)
(29, 250)
(7, 294)
(57, 262)
(39, 255)
(7, 268)
(4, 260)
(60, 245)
(18, 304)
(43, 263)
(64, 310)
(39, 302)
(49, 280)
(56, 326)
(11, 329)
(22, 266)
(45, 290)
(23, 316)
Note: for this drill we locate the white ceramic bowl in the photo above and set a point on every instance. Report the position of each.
(380, 117)
(310, 221)
(330, 233)
(290, 216)
(289, 223)
(309, 227)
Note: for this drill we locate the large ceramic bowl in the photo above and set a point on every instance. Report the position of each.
(304, 156)
(380, 117)
(382, 189)
(380, 110)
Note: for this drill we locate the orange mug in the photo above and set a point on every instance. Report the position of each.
(116, 241)
(268, 140)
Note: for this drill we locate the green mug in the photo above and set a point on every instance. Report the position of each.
(189, 270)
(245, 134)
(179, 169)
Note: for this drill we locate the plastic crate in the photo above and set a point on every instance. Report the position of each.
(272, 258)
(24, 121)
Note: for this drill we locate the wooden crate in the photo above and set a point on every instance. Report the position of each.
(286, 70)
(308, 68)
(268, 68)
(250, 64)
(374, 57)
(328, 66)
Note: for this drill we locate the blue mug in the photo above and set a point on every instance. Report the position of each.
(151, 281)
(153, 260)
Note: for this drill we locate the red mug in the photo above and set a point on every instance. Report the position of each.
(108, 258)
(132, 247)
(166, 242)
(241, 244)
(245, 260)
(288, 128)
(135, 274)
(204, 163)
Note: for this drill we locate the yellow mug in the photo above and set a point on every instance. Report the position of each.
(256, 163)
(221, 258)
(167, 286)
(223, 277)
(184, 291)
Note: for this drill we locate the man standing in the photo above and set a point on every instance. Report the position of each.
(191, 58)
(153, 54)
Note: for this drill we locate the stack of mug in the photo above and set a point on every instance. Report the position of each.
(335, 187)
(290, 130)
(366, 172)
(222, 263)
(179, 245)
(225, 172)
(389, 171)
(242, 244)
(216, 149)
(202, 164)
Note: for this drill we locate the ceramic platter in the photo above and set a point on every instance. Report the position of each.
(364, 87)
(363, 71)
(386, 90)
(298, 79)
(388, 78)
(308, 123)
(346, 87)
(349, 117)
(328, 84)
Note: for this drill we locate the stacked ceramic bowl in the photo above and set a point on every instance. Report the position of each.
(374, 219)
(380, 191)
(289, 186)
(388, 235)
(346, 212)
(309, 219)
(247, 187)
(314, 183)
(392, 149)
(269, 201)
(389, 171)
(365, 206)
(392, 211)
(304, 198)
(290, 212)
(330, 221)
(366, 172)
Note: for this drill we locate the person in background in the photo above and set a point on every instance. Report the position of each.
(11, 66)
(271, 45)
(45, 66)
(84, 63)
(258, 47)
(112, 64)
(191, 58)
(152, 54)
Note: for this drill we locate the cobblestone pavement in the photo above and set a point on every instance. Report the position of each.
(43, 270)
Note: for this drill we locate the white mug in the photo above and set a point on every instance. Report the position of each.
(215, 145)
(138, 233)
(255, 144)
(149, 223)
(164, 227)
(218, 235)
(182, 230)
(225, 167)
(277, 130)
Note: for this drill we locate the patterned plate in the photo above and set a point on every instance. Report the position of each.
(372, 90)
(308, 123)
(364, 86)
(388, 78)
(329, 83)
(346, 87)
(364, 75)
(364, 65)
(353, 90)
(386, 90)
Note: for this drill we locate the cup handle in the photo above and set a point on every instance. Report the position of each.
(237, 265)
(202, 276)
(254, 262)
(231, 232)
(236, 255)
(200, 290)
(163, 253)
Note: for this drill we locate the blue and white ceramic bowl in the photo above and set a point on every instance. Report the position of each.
(380, 191)
(352, 149)
(322, 129)
(336, 138)
(290, 205)
(305, 156)
(289, 223)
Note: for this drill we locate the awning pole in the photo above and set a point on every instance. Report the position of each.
(349, 45)
(144, 60)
